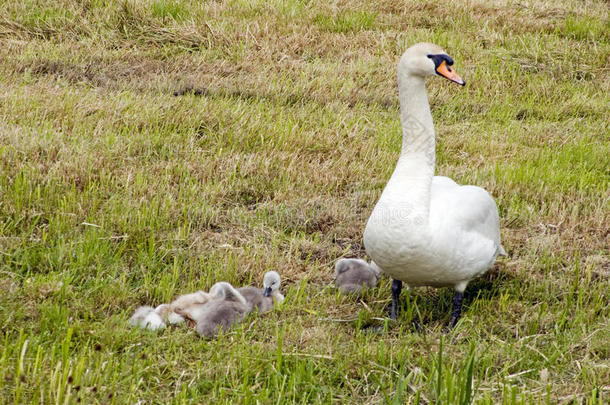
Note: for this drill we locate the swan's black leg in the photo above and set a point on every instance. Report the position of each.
(396, 289)
(457, 308)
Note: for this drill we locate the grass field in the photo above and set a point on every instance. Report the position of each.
(152, 148)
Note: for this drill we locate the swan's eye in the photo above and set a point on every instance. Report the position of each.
(440, 58)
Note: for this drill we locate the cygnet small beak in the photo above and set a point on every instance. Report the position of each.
(267, 292)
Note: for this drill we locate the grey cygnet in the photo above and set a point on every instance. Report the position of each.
(264, 299)
(351, 275)
(226, 308)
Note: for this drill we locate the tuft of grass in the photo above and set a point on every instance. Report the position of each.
(586, 28)
(349, 21)
(175, 10)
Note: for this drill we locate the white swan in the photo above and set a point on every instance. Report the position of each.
(427, 230)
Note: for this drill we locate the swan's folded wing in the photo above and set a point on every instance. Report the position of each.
(483, 214)
(469, 208)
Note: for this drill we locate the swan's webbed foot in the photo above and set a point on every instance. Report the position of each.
(458, 298)
(396, 289)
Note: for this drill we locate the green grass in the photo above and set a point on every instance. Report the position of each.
(346, 22)
(115, 192)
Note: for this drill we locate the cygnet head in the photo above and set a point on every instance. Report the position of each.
(425, 59)
(271, 282)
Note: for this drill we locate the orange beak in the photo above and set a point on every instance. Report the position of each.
(445, 70)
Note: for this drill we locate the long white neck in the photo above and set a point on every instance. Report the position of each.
(415, 118)
(412, 177)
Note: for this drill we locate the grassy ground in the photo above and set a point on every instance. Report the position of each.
(151, 148)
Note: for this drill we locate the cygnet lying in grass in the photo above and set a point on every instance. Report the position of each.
(264, 299)
(146, 317)
(226, 308)
(351, 275)
(186, 306)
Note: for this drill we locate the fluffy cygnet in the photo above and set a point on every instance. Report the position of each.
(226, 308)
(186, 306)
(352, 274)
(264, 299)
(146, 317)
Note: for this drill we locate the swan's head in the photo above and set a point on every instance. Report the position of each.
(271, 282)
(426, 59)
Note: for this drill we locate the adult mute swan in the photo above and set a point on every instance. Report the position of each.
(427, 230)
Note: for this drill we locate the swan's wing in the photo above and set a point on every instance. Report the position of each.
(482, 214)
(470, 209)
